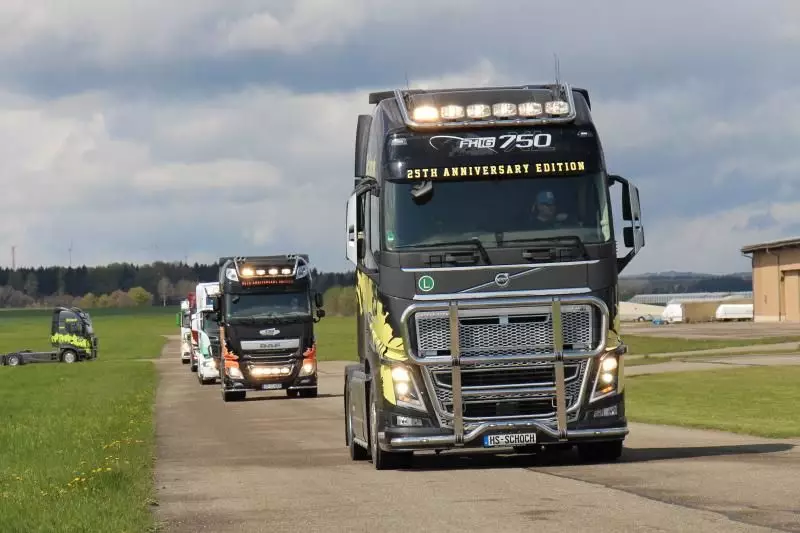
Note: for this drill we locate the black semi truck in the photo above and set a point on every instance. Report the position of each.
(266, 309)
(72, 338)
(481, 229)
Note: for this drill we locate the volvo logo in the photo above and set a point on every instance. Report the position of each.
(502, 279)
(271, 332)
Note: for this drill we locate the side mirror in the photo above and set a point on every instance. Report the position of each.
(632, 235)
(318, 299)
(320, 313)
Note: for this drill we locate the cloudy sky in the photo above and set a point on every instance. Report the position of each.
(192, 129)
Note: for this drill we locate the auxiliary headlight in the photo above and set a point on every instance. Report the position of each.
(235, 373)
(309, 367)
(606, 380)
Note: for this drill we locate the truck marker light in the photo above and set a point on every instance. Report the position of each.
(529, 109)
(286, 271)
(504, 109)
(478, 111)
(273, 271)
(261, 271)
(247, 272)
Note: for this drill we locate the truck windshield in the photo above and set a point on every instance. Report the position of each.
(497, 210)
(210, 324)
(268, 305)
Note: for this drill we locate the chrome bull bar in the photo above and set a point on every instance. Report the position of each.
(456, 360)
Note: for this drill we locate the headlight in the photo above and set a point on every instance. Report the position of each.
(235, 373)
(309, 367)
(406, 391)
(606, 381)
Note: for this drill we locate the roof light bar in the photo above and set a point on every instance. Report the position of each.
(482, 114)
(250, 268)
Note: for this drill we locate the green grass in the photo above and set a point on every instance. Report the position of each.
(77, 441)
(336, 339)
(754, 401)
(644, 345)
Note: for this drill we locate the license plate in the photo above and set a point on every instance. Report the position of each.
(271, 386)
(509, 439)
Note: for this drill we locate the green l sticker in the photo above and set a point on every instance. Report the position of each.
(425, 283)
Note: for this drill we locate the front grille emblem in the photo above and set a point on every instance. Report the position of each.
(502, 279)
(271, 332)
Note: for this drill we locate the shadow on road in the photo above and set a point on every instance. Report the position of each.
(286, 398)
(479, 459)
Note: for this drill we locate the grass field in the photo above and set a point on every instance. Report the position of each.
(643, 345)
(755, 401)
(76, 442)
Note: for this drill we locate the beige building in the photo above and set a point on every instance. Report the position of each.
(776, 280)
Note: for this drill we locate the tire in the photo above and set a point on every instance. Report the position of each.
(382, 460)
(233, 395)
(193, 368)
(308, 393)
(357, 453)
(185, 361)
(13, 360)
(68, 356)
(600, 452)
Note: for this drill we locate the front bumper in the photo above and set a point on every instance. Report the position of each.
(291, 382)
(600, 419)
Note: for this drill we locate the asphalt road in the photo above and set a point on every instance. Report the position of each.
(713, 330)
(280, 465)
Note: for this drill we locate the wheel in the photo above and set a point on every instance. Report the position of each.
(600, 452)
(185, 361)
(382, 460)
(308, 393)
(12, 360)
(357, 453)
(68, 356)
(233, 395)
(193, 368)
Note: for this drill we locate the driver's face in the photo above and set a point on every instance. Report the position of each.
(546, 211)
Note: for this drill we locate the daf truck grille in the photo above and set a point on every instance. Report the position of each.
(506, 390)
(277, 357)
(521, 330)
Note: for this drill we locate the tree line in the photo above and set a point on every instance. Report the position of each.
(121, 284)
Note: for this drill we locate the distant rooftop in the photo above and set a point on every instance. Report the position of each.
(666, 298)
(783, 243)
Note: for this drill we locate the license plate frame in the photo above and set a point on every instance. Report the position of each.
(271, 386)
(508, 440)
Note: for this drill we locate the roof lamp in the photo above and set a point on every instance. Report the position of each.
(504, 109)
(426, 113)
(556, 107)
(529, 109)
(478, 111)
(247, 272)
(452, 112)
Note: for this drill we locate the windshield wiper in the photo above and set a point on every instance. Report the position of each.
(550, 240)
(474, 240)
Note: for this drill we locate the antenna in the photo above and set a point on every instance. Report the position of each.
(13, 257)
(557, 65)
(70, 253)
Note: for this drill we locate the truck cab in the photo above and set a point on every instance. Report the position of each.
(480, 227)
(266, 310)
(208, 341)
(183, 320)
